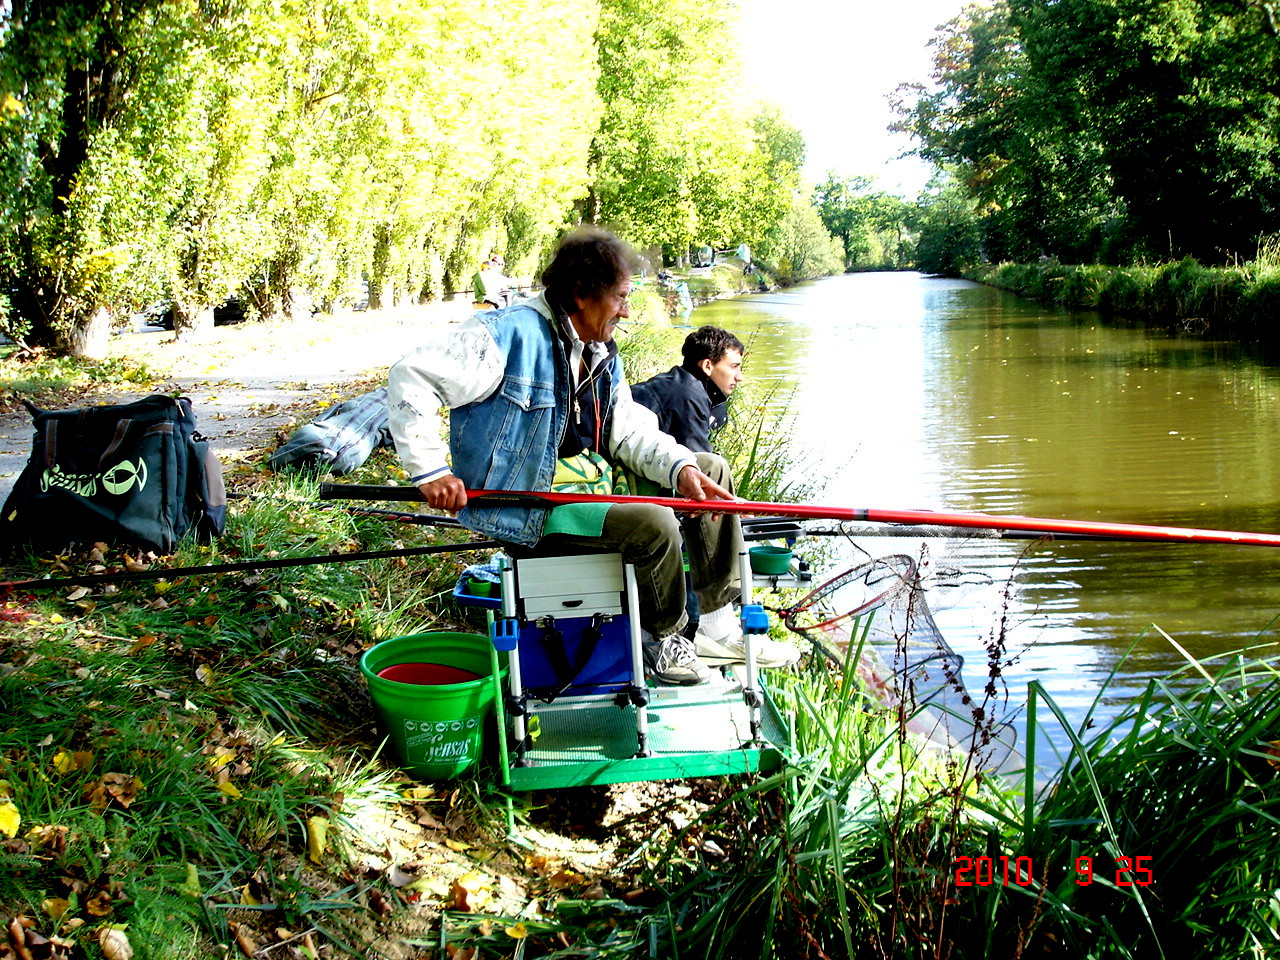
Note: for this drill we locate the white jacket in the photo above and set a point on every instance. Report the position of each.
(463, 364)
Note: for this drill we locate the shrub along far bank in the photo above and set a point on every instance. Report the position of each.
(1240, 301)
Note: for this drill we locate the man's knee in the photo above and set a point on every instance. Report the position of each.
(715, 467)
(643, 523)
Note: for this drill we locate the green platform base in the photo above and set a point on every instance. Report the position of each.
(699, 731)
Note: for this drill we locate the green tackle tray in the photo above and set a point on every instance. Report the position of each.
(700, 731)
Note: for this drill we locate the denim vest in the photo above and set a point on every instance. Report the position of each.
(510, 440)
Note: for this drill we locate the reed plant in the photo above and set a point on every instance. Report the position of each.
(1154, 835)
(757, 442)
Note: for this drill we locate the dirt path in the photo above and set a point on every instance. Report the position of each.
(251, 381)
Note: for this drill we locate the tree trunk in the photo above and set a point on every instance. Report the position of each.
(190, 321)
(88, 340)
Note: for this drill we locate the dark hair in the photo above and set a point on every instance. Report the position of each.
(708, 343)
(588, 263)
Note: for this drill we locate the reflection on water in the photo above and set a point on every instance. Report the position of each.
(911, 392)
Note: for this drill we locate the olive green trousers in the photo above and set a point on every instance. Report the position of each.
(650, 538)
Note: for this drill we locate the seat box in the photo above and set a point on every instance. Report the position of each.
(570, 592)
(607, 669)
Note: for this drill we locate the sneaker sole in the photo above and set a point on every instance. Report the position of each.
(692, 682)
(729, 661)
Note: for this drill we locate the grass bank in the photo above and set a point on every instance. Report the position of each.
(189, 768)
(1239, 301)
(183, 757)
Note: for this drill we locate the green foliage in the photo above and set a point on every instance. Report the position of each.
(44, 378)
(948, 237)
(838, 850)
(871, 225)
(168, 744)
(798, 246)
(1108, 131)
(680, 156)
(1153, 836)
(1238, 299)
(291, 152)
(756, 441)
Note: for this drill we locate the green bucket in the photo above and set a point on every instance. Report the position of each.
(436, 720)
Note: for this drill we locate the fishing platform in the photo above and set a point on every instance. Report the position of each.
(577, 709)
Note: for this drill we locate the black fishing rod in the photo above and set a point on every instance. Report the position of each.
(175, 573)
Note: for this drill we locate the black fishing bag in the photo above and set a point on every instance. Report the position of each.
(340, 439)
(135, 474)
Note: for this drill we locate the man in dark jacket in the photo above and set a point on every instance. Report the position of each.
(691, 399)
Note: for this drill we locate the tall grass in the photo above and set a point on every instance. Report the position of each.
(757, 443)
(1157, 836)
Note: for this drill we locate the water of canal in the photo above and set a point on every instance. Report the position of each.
(905, 391)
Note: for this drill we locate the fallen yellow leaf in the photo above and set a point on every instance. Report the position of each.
(99, 905)
(10, 819)
(144, 641)
(317, 834)
(1272, 749)
(65, 761)
(230, 790)
(115, 944)
(468, 891)
(517, 931)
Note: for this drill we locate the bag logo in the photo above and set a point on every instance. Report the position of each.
(118, 480)
(121, 478)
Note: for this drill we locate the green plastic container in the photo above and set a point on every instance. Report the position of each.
(435, 729)
(770, 560)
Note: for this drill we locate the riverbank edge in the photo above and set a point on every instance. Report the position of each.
(1239, 301)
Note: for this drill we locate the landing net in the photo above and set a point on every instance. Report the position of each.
(878, 610)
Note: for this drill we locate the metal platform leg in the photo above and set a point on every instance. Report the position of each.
(639, 692)
(754, 620)
(515, 685)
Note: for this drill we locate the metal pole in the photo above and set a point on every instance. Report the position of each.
(750, 692)
(637, 660)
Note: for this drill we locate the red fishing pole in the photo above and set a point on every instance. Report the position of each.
(805, 511)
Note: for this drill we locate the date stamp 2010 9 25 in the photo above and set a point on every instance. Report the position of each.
(1003, 871)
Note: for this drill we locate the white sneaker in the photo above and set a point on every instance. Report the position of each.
(672, 660)
(719, 640)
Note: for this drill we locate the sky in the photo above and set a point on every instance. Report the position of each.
(830, 64)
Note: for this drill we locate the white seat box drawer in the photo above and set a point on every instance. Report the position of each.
(570, 586)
